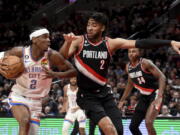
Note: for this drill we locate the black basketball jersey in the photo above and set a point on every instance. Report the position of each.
(144, 81)
(92, 62)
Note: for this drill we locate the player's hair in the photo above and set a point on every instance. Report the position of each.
(101, 18)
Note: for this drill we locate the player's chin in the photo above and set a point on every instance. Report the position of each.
(89, 35)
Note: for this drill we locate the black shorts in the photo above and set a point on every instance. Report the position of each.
(144, 103)
(97, 105)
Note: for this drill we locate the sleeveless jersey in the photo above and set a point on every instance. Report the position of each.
(144, 81)
(31, 83)
(92, 62)
(71, 98)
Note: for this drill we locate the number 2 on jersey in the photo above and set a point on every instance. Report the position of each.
(102, 62)
(33, 84)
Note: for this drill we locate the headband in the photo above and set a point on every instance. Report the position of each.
(38, 33)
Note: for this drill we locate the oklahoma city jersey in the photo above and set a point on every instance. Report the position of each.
(71, 98)
(30, 83)
(92, 63)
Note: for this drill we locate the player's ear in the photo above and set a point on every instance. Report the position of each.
(34, 40)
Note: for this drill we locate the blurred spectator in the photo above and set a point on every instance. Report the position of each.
(165, 112)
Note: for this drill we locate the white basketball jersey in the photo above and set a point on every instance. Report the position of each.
(71, 97)
(31, 83)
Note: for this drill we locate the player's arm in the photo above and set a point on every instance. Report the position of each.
(15, 51)
(71, 45)
(65, 100)
(66, 69)
(126, 93)
(129, 87)
(120, 43)
(152, 68)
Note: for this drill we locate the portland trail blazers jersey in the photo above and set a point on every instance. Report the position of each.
(144, 81)
(31, 83)
(92, 63)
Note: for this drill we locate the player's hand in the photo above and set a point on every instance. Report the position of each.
(157, 103)
(49, 73)
(3, 68)
(69, 37)
(176, 46)
(120, 105)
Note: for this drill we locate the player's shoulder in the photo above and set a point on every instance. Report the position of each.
(65, 87)
(146, 62)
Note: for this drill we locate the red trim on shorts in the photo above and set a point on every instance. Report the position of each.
(143, 89)
(90, 70)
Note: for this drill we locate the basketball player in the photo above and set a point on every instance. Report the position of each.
(92, 53)
(73, 110)
(34, 84)
(151, 82)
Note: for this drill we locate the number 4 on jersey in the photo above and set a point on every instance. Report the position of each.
(141, 80)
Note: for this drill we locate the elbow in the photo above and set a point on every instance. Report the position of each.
(163, 78)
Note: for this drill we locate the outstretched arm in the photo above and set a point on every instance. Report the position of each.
(70, 46)
(120, 43)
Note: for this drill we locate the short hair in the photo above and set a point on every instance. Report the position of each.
(101, 18)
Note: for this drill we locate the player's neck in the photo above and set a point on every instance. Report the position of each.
(36, 54)
(96, 39)
(135, 62)
(73, 87)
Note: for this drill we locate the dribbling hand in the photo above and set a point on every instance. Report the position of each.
(3, 68)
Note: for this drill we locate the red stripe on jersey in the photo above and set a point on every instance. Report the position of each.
(108, 46)
(143, 89)
(90, 70)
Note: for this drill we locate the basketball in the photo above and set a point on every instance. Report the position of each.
(14, 67)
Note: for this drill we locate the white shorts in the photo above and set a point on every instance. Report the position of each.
(79, 115)
(34, 106)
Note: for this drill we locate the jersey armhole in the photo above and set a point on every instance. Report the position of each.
(143, 69)
(108, 46)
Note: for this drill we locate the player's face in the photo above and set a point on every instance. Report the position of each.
(94, 29)
(73, 81)
(42, 42)
(133, 54)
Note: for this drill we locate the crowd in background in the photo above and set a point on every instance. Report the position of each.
(123, 21)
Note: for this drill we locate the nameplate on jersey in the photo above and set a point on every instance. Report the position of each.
(135, 74)
(95, 54)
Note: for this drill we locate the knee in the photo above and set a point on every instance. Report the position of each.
(24, 121)
(109, 129)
